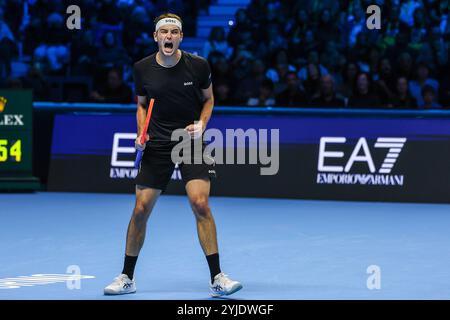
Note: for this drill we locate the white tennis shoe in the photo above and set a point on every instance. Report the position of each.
(223, 286)
(121, 285)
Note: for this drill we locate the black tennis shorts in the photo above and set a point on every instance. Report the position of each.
(157, 167)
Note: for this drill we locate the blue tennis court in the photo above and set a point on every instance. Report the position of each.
(278, 249)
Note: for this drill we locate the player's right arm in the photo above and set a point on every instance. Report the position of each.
(141, 113)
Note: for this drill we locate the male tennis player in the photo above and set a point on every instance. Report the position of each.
(181, 85)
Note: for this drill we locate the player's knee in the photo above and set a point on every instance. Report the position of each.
(200, 207)
(141, 212)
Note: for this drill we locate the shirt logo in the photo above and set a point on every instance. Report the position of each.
(188, 83)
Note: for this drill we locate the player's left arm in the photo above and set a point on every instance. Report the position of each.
(208, 105)
(204, 75)
(196, 129)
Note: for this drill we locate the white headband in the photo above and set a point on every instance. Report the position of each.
(172, 21)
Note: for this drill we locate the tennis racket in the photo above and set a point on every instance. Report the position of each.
(137, 162)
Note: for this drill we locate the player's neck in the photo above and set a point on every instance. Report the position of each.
(168, 62)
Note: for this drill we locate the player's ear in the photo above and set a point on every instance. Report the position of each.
(155, 37)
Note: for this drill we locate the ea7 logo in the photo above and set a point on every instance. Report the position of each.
(361, 153)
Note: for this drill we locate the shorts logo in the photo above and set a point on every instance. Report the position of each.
(190, 83)
(176, 174)
(212, 173)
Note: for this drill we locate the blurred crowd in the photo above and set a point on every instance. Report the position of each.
(309, 53)
(98, 58)
(321, 53)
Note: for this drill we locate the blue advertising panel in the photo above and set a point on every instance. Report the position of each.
(313, 157)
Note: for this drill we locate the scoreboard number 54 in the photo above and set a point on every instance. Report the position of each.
(12, 149)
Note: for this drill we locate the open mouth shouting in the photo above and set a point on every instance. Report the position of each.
(168, 47)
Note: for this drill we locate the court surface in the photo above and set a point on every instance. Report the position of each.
(278, 249)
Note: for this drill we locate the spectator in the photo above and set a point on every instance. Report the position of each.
(109, 12)
(422, 79)
(327, 97)
(115, 90)
(240, 63)
(385, 82)
(265, 95)
(222, 95)
(52, 58)
(136, 24)
(429, 98)
(374, 60)
(399, 45)
(144, 46)
(407, 11)
(111, 53)
(83, 51)
(7, 47)
(242, 24)
(363, 95)
(439, 50)
(217, 42)
(349, 78)
(326, 30)
(312, 81)
(272, 13)
(297, 27)
(313, 58)
(343, 25)
(249, 86)
(361, 51)
(33, 35)
(293, 95)
(13, 19)
(306, 44)
(281, 66)
(403, 99)
(53, 55)
(357, 25)
(330, 58)
(220, 68)
(338, 69)
(416, 43)
(272, 42)
(405, 63)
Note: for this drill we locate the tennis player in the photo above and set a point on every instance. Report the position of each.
(181, 85)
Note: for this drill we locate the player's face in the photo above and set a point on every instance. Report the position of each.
(169, 38)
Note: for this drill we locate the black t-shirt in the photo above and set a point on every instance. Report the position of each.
(176, 90)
